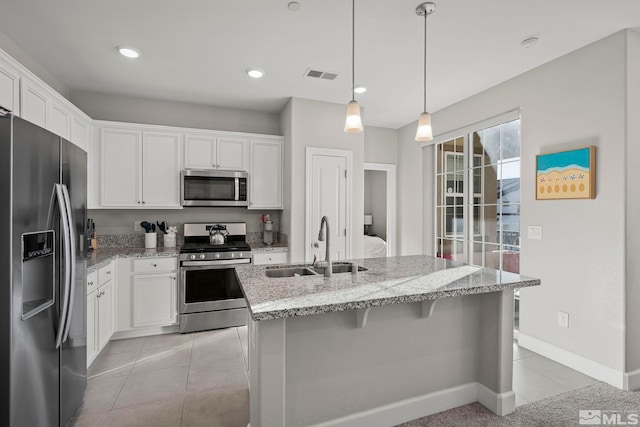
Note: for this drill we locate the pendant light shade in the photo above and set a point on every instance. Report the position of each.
(353, 123)
(424, 132)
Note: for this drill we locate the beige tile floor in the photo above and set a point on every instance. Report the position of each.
(197, 379)
(200, 379)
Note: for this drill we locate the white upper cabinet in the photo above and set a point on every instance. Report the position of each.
(231, 154)
(59, 121)
(140, 169)
(34, 103)
(121, 151)
(211, 151)
(265, 174)
(161, 170)
(9, 88)
(80, 133)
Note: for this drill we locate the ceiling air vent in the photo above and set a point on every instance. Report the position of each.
(320, 74)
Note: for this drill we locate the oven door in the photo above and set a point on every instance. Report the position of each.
(209, 286)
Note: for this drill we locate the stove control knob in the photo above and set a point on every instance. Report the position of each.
(202, 256)
(240, 254)
(232, 255)
(217, 255)
(193, 257)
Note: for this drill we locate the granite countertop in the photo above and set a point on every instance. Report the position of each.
(103, 256)
(259, 247)
(387, 281)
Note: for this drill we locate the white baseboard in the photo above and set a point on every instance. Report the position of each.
(574, 361)
(632, 380)
(421, 406)
(145, 332)
(498, 403)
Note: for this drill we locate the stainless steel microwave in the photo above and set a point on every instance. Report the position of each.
(214, 188)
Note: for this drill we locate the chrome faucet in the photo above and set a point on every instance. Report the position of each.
(324, 227)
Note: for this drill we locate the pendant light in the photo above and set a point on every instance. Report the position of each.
(424, 132)
(353, 123)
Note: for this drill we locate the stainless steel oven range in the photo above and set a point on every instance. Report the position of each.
(209, 290)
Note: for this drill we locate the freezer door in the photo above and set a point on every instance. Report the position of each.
(33, 368)
(73, 362)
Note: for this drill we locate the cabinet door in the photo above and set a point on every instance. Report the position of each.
(265, 175)
(154, 299)
(105, 314)
(199, 152)
(230, 154)
(59, 120)
(92, 332)
(161, 170)
(34, 103)
(121, 184)
(9, 88)
(80, 133)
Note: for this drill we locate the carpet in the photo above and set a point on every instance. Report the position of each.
(608, 406)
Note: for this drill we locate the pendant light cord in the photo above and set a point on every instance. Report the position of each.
(353, 50)
(426, 13)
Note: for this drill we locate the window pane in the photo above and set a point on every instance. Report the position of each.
(454, 221)
(489, 141)
(439, 222)
(490, 184)
(511, 140)
(440, 158)
(452, 249)
(509, 190)
(477, 255)
(492, 256)
(511, 261)
(439, 190)
(459, 145)
(486, 224)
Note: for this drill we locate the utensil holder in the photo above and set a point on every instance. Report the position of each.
(170, 240)
(150, 240)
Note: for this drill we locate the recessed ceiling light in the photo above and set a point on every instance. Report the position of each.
(529, 42)
(128, 51)
(256, 73)
(360, 89)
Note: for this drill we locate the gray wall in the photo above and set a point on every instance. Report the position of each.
(380, 145)
(120, 221)
(122, 108)
(633, 203)
(574, 101)
(318, 124)
(9, 46)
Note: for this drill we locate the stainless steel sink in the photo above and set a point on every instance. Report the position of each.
(289, 272)
(340, 268)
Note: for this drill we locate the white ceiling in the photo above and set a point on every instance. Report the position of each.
(197, 50)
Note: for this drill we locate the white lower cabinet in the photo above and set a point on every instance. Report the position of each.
(265, 258)
(147, 297)
(154, 299)
(100, 310)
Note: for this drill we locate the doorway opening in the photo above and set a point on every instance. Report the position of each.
(379, 210)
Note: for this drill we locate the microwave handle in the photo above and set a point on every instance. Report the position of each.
(237, 192)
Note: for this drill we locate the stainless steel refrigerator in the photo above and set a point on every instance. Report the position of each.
(43, 274)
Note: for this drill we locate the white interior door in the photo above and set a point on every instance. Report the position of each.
(327, 195)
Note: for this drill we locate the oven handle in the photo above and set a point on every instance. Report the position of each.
(216, 263)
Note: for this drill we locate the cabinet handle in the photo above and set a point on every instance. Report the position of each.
(109, 272)
(155, 265)
(143, 202)
(90, 284)
(139, 202)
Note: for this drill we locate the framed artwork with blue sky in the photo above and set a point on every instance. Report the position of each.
(566, 174)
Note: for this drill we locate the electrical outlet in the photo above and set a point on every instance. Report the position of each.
(534, 232)
(563, 319)
(137, 226)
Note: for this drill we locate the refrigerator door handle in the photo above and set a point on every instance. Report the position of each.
(58, 196)
(72, 262)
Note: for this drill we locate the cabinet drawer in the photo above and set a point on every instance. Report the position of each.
(92, 282)
(270, 258)
(155, 265)
(105, 274)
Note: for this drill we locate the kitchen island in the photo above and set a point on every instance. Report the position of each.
(408, 337)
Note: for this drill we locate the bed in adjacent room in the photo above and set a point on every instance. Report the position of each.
(374, 247)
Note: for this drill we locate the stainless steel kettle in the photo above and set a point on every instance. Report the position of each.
(218, 234)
